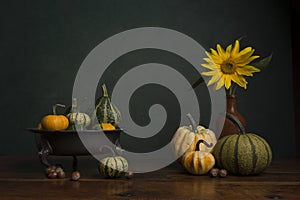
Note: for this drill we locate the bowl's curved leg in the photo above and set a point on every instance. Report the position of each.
(43, 155)
(44, 150)
(75, 164)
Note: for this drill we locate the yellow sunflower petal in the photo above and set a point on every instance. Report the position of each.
(244, 61)
(214, 52)
(247, 50)
(236, 48)
(219, 84)
(208, 60)
(209, 73)
(240, 80)
(251, 68)
(243, 71)
(209, 66)
(213, 79)
(221, 52)
(228, 49)
(227, 81)
(214, 56)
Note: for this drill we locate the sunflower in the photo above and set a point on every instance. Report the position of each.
(229, 65)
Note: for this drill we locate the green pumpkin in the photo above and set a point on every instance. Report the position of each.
(113, 167)
(243, 153)
(106, 111)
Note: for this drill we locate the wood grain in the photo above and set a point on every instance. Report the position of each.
(23, 178)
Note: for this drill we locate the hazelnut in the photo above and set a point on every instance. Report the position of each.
(75, 176)
(52, 175)
(222, 173)
(61, 174)
(58, 169)
(50, 169)
(129, 174)
(214, 172)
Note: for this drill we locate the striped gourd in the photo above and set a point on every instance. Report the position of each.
(198, 162)
(76, 118)
(243, 153)
(80, 119)
(113, 167)
(106, 111)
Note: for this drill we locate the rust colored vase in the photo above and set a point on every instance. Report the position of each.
(229, 127)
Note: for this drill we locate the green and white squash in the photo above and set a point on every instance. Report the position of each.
(80, 119)
(113, 166)
(106, 111)
(77, 118)
(243, 153)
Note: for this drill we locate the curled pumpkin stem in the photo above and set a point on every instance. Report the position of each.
(55, 106)
(204, 142)
(237, 123)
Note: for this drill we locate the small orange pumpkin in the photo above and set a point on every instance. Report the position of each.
(55, 122)
(107, 126)
(198, 162)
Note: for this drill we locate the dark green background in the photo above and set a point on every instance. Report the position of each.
(43, 44)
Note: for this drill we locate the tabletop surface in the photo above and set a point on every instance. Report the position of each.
(22, 177)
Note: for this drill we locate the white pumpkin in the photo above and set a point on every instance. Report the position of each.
(186, 138)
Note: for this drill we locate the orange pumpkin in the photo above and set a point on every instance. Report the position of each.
(55, 122)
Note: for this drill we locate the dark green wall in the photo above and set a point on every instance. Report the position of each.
(43, 44)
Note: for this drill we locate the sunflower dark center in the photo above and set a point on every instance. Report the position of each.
(227, 68)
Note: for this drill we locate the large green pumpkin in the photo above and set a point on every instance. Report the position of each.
(106, 111)
(243, 153)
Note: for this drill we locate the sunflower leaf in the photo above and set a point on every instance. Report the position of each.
(198, 82)
(263, 63)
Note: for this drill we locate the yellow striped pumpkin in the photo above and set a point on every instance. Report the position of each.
(198, 162)
(243, 153)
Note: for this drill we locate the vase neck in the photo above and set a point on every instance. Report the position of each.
(231, 103)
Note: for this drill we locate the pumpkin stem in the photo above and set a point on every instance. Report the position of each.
(55, 106)
(104, 90)
(204, 142)
(192, 121)
(74, 105)
(237, 123)
(108, 147)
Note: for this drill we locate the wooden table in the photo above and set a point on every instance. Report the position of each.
(22, 177)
